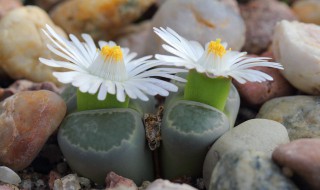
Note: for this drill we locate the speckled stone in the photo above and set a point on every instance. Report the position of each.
(68, 182)
(307, 11)
(255, 134)
(302, 158)
(248, 170)
(296, 46)
(22, 43)
(102, 19)
(116, 182)
(260, 17)
(202, 22)
(161, 184)
(299, 114)
(27, 119)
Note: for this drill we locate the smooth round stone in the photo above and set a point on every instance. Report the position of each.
(9, 176)
(302, 157)
(202, 22)
(8, 5)
(102, 19)
(260, 17)
(255, 134)
(248, 170)
(299, 114)
(296, 46)
(161, 184)
(22, 43)
(27, 119)
(254, 94)
(307, 11)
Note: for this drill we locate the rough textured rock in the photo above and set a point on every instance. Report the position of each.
(22, 43)
(256, 134)
(161, 184)
(260, 17)
(70, 181)
(8, 5)
(299, 114)
(302, 158)
(307, 11)
(8, 187)
(206, 21)
(116, 182)
(27, 120)
(135, 37)
(256, 93)
(102, 19)
(248, 170)
(296, 46)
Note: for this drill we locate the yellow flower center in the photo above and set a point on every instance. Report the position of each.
(114, 53)
(216, 48)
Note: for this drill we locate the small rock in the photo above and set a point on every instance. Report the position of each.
(303, 158)
(9, 176)
(22, 43)
(256, 93)
(135, 37)
(39, 184)
(23, 131)
(256, 134)
(62, 167)
(47, 4)
(202, 22)
(296, 46)
(307, 11)
(299, 114)
(8, 5)
(161, 184)
(53, 175)
(116, 182)
(260, 17)
(102, 19)
(8, 187)
(27, 184)
(248, 170)
(69, 182)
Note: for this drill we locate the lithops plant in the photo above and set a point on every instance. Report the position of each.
(104, 134)
(191, 125)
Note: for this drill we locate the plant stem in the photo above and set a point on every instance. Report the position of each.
(86, 101)
(210, 91)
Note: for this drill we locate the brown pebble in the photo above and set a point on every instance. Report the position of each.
(302, 157)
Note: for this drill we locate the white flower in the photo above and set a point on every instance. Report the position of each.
(214, 59)
(109, 69)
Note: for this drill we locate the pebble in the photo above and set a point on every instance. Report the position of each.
(260, 17)
(161, 184)
(8, 187)
(206, 21)
(101, 19)
(302, 157)
(307, 11)
(254, 94)
(255, 134)
(116, 182)
(53, 175)
(23, 132)
(8, 5)
(20, 51)
(296, 46)
(299, 114)
(69, 182)
(47, 4)
(9, 176)
(248, 170)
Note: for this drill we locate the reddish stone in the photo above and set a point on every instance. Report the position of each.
(53, 175)
(8, 5)
(302, 158)
(27, 119)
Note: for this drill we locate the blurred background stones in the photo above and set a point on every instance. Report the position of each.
(8, 5)
(307, 11)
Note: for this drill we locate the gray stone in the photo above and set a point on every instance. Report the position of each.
(256, 134)
(161, 184)
(299, 114)
(9, 176)
(248, 170)
(202, 22)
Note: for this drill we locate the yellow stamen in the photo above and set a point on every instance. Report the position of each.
(216, 48)
(114, 53)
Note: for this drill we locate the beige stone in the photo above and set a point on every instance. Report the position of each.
(22, 43)
(102, 19)
(8, 5)
(296, 46)
(307, 11)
